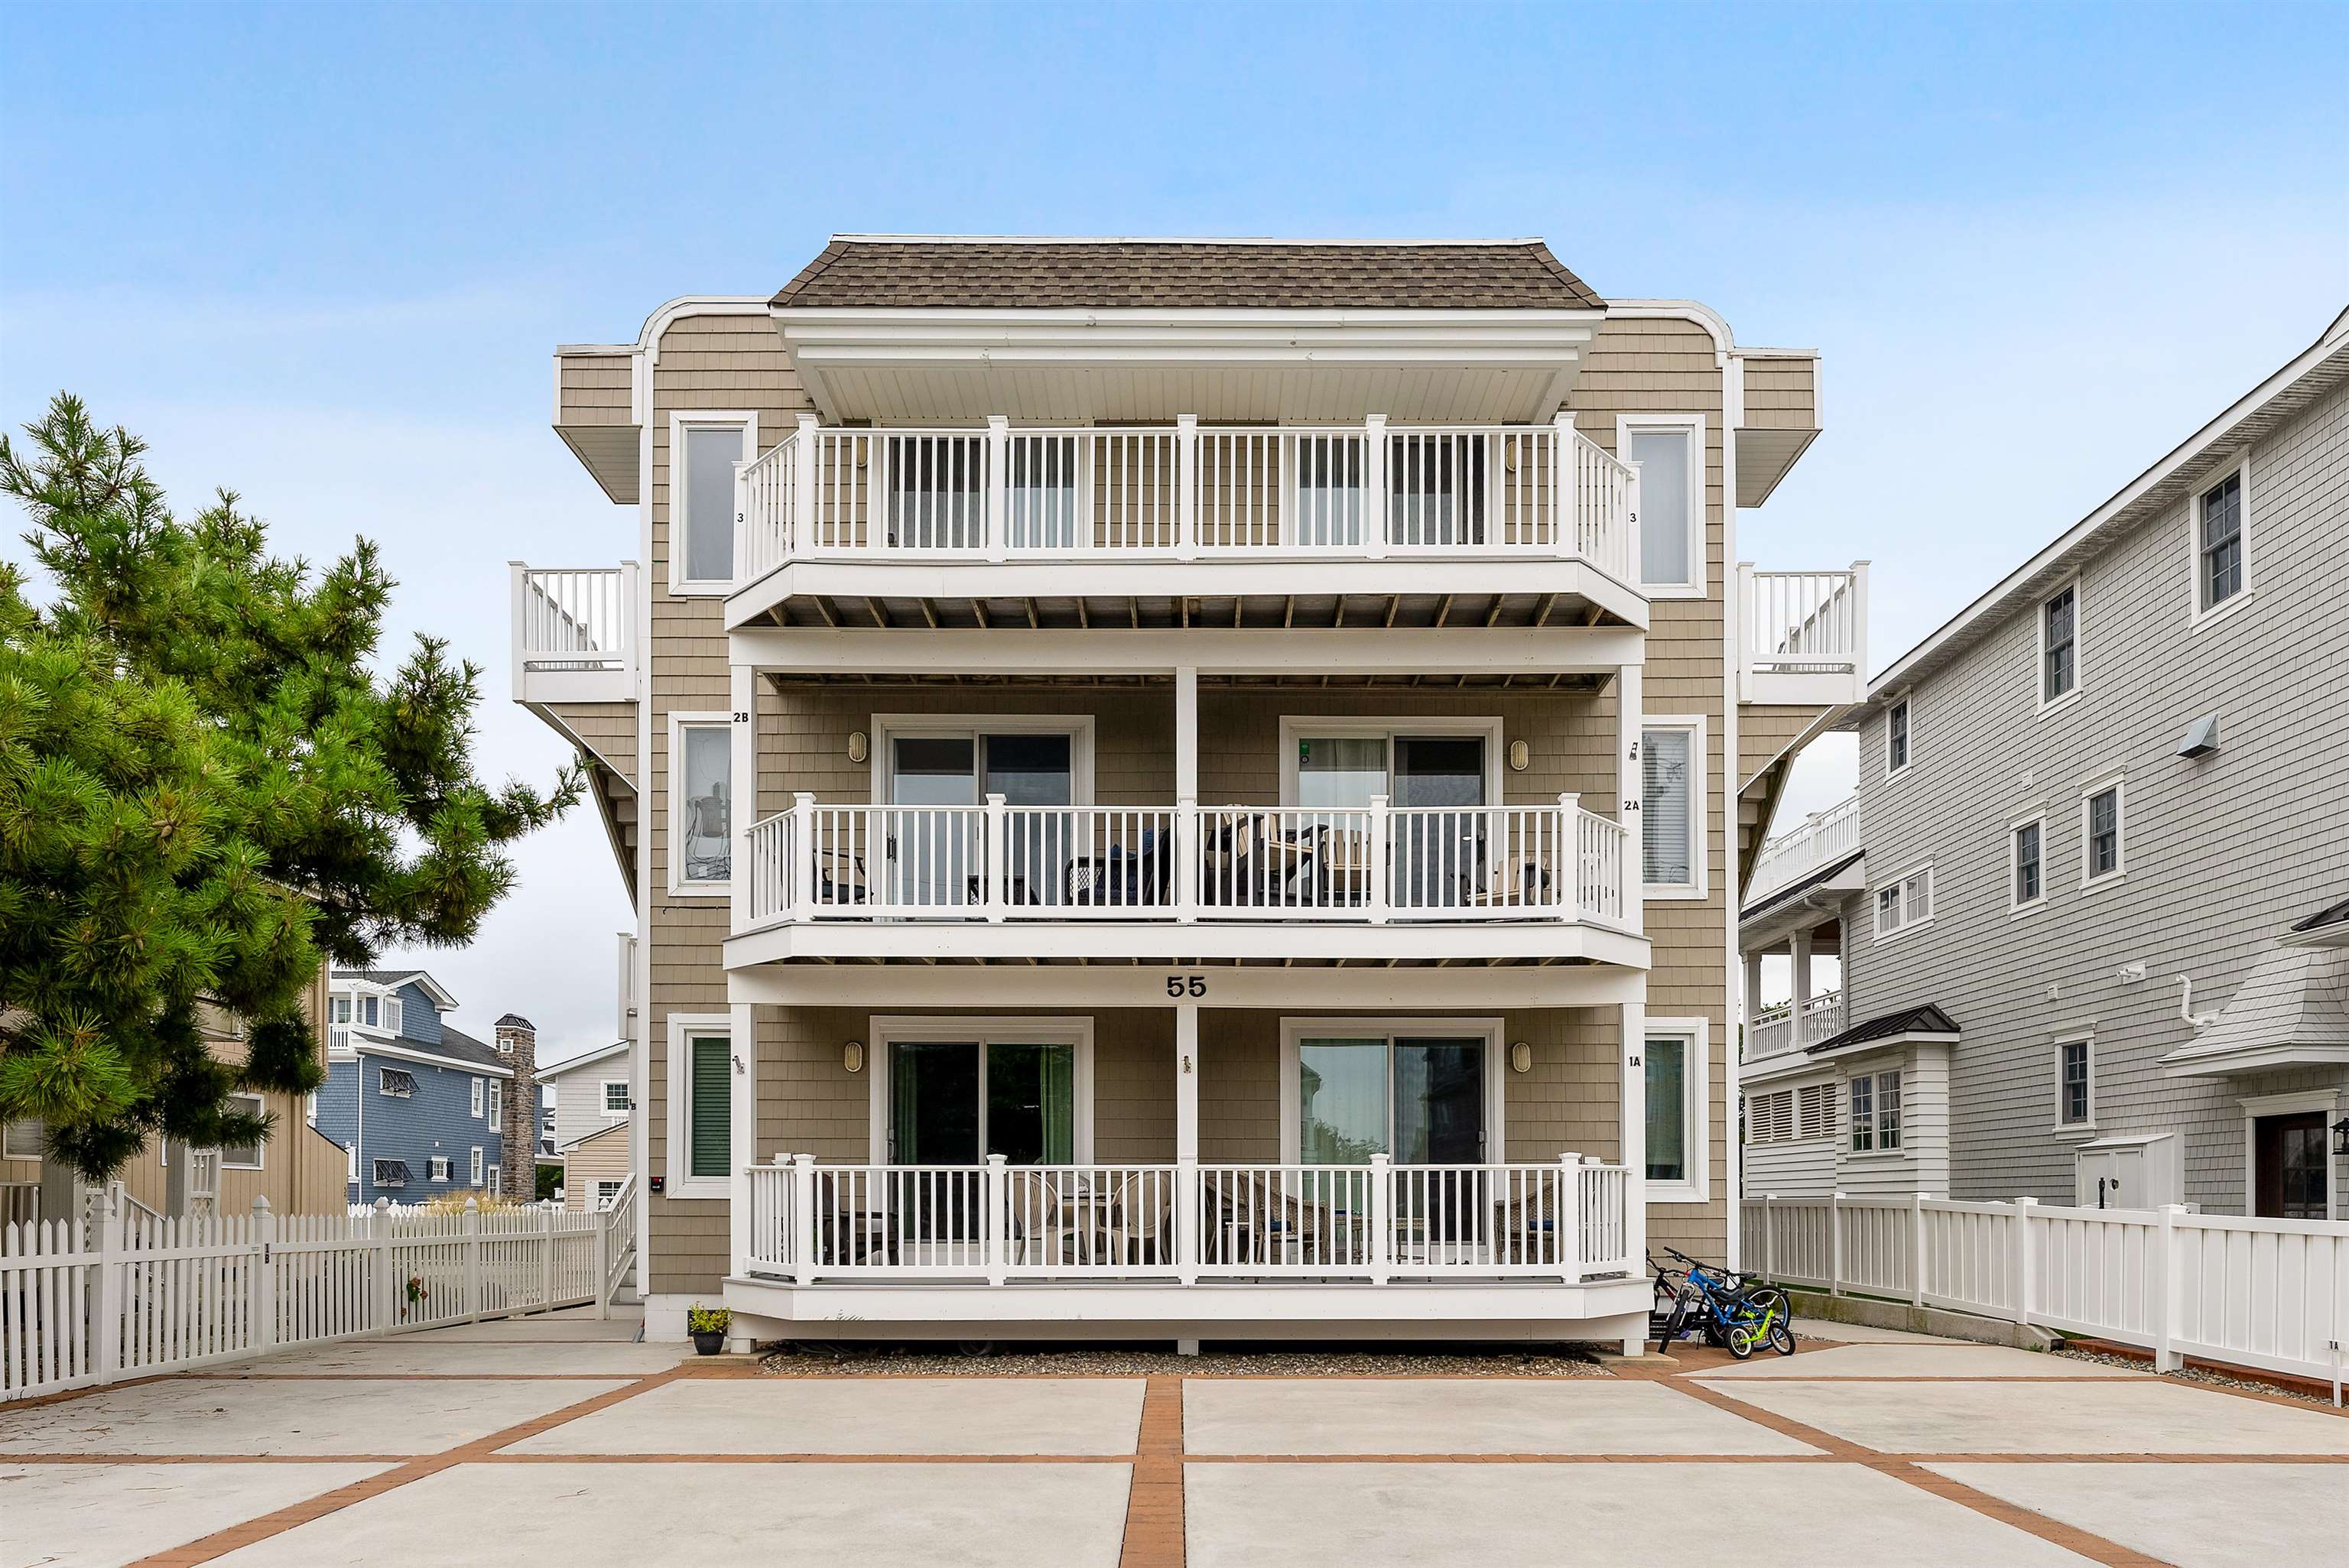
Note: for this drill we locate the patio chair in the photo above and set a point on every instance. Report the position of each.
(1119, 878)
(1507, 884)
(839, 877)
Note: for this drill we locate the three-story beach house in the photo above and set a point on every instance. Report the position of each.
(1184, 789)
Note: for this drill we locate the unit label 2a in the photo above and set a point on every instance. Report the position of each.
(1188, 987)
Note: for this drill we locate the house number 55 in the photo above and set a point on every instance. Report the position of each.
(1187, 984)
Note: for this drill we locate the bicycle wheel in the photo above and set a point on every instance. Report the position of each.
(1782, 1338)
(1741, 1337)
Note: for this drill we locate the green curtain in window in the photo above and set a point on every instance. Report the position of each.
(709, 1140)
(1058, 1077)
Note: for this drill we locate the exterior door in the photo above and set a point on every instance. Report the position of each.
(953, 1102)
(2289, 1165)
(1420, 1101)
(937, 855)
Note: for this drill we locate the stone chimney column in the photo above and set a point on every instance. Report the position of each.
(518, 1135)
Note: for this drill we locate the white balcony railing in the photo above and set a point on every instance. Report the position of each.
(1806, 634)
(1824, 838)
(574, 633)
(1184, 491)
(1774, 1031)
(1373, 864)
(1565, 1221)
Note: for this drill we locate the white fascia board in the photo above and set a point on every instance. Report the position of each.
(1530, 1304)
(1158, 577)
(1219, 651)
(2216, 436)
(1122, 985)
(1784, 1070)
(454, 1064)
(2254, 1059)
(600, 1054)
(1169, 943)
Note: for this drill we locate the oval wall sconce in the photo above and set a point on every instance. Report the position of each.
(1521, 1058)
(859, 747)
(1521, 756)
(852, 1055)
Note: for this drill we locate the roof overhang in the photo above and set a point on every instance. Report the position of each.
(1930, 1038)
(2292, 1011)
(1077, 365)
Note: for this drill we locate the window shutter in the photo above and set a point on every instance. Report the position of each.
(1665, 783)
(710, 1137)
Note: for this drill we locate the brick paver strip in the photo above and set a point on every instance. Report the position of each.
(1153, 1498)
(223, 1541)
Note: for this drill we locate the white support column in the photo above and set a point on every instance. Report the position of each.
(1186, 791)
(996, 1229)
(1374, 484)
(1633, 1057)
(1382, 1218)
(1801, 952)
(1186, 486)
(1377, 892)
(742, 786)
(998, 485)
(802, 1201)
(742, 1132)
(995, 868)
(1187, 1141)
(1565, 499)
(1753, 998)
(799, 876)
(1628, 707)
(804, 533)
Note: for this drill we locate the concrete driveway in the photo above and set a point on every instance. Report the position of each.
(435, 1447)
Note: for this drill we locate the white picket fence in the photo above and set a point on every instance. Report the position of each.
(127, 1296)
(2266, 1294)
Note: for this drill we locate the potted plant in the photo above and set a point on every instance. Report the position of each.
(707, 1325)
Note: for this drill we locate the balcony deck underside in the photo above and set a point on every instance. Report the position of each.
(1539, 593)
(1223, 1309)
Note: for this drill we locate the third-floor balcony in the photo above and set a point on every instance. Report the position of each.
(1249, 525)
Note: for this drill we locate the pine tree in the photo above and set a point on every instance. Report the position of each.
(204, 789)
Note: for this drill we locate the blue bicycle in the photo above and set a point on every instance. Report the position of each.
(1736, 1312)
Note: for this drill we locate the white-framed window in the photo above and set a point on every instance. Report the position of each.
(1875, 1112)
(371, 1011)
(955, 1090)
(2102, 808)
(2026, 863)
(1671, 806)
(391, 1013)
(497, 1103)
(1669, 450)
(22, 1140)
(700, 1067)
(2076, 1083)
(2219, 525)
(341, 1007)
(474, 1109)
(397, 1082)
(616, 1097)
(701, 816)
(1422, 1091)
(494, 1179)
(1896, 737)
(244, 1156)
(2059, 645)
(606, 1191)
(476, 1169)
(435, 1169)
(1673, 1056)
(1905, 904)
(1342, 761)
(703, 448)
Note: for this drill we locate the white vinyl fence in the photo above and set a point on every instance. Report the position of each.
(2267, 1293)
(128, 1295)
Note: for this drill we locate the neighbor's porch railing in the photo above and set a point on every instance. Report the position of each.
(1566, 1222)
(1185, 491)
(2270, 1293)
(1824, 838)
(1775, 1030)
(1373, 864)
(1802, 623)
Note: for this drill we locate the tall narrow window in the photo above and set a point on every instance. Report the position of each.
(703, 488)
(710, 1106)
(703, 819)
(2221, 548)
(497, 1103)
(1863, 1115)
(1895, 737)
(1669, 504)
(1668, 1109)
(2027, 878)
(2059, 624)
(1668, 808)
(2071, 1078)
(2104, 835)
(1888, 1110)
(474, 1107)
(475, 1173)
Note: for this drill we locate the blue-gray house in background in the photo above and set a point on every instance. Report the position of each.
(418, 1104)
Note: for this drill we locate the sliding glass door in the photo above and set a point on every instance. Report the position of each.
(954, 1102)
(1438, 852)
(937, 856)
(1418, 1099)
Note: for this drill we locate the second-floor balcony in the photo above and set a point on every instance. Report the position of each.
(1537, 518)
(1554, 881)
(574, 633)
(1792, 1027)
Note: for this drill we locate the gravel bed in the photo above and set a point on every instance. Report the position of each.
(892, 1362)
(2198, 1375)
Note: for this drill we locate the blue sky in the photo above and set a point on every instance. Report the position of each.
(320, 253)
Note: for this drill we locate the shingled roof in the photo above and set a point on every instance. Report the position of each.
(886, 271)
